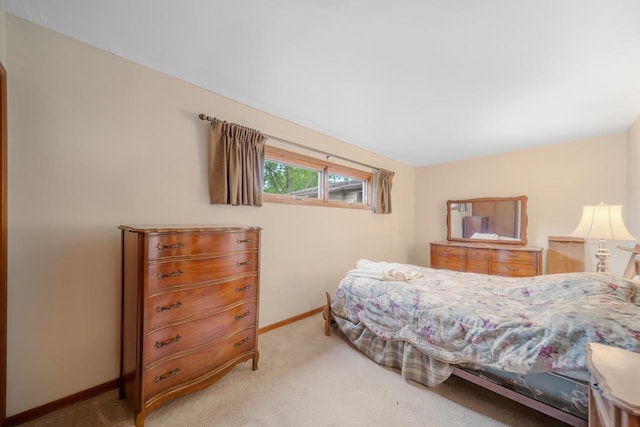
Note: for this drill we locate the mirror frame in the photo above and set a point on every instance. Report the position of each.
(523, 220)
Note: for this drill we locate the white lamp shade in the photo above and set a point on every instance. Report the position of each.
(602, 222)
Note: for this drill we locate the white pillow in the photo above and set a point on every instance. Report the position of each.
(487, 236)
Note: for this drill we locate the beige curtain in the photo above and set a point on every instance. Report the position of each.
(383, 192)
(236, 161)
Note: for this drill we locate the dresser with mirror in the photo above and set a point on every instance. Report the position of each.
(488, 236)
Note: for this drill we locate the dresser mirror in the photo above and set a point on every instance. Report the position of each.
(489, 220)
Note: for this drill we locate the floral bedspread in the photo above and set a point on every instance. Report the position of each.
(521, 325)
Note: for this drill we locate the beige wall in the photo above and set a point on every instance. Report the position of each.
(633, 180)
(557, 179)
(97, 141)
(3, 37)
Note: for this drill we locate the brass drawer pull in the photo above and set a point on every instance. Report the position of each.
(244, 288)
(513, 255)
(513, 269)
(243, 315)
(240, 263)
(174, 274)
(243, 241)
(241, 342)
(160, 344)
(161, 246)
(161, 308)
(166, 376)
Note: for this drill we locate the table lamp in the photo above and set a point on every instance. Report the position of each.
(602, 222)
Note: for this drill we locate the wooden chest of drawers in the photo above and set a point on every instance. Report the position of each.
(514, 261)
(189, 309)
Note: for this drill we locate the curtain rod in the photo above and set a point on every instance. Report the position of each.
(211, 119)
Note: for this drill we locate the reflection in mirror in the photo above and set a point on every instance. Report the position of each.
(501, 220)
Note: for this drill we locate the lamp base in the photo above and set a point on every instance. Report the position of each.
(602, 254)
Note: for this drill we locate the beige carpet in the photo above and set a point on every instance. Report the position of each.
(308, 379)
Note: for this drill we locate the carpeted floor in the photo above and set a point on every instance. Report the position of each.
(308, 379)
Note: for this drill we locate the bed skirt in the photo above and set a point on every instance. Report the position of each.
(568, 394)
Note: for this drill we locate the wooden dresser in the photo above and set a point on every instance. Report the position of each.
(495, 259)
(565, 255)
(189, 309)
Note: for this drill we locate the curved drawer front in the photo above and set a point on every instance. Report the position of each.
(167, 274)
(183, 336)
(451, 251)
(191, 366)
(172, 306)
(478, 253)
(185, 244)
(514, 269)
(478, 266)
(449, 262)
(507, 255)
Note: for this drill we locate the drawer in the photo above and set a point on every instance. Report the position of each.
(173, 306)
(513, 269)
(453, 251)
(177, 371)
(509, 255)
(167, 274)
(477, 253)
(478, 266)
(185, 244)
(448, 263)
(184, 336)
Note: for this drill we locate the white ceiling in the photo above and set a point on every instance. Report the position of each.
(419, 81)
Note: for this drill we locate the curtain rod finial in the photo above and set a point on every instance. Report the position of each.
(202, 116)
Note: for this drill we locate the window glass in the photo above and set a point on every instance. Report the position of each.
(292, 180)
(346, 189)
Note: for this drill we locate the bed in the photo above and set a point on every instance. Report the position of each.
(521, 337)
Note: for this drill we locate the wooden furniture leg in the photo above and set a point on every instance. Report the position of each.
(327, 316)
(254, 365)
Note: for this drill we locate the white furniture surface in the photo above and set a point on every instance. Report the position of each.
(614, 393)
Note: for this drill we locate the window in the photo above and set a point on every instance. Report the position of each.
(294, 178)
